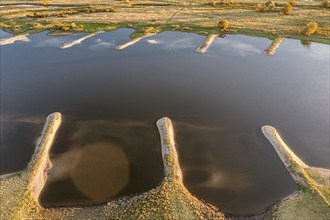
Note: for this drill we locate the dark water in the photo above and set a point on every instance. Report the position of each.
(218, 101)
(4, 34)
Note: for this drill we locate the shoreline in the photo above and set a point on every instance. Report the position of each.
(194, 29)
(40, 163)
(165, 201)
(19, 192)
(300, 171)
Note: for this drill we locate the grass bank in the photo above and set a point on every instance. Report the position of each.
(191, 16)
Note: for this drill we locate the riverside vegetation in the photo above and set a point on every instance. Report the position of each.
(251, 17)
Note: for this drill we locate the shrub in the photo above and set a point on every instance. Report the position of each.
(73, 25)
(292, 2)
(213, 3)
(45, 2)
(150, 30)
(186, 29)
(305, 43)
(3, 25)
(267, 6)
(80, 28)
(63, 26)
(228, 2)
(271, 5)
(310, 28)
(325, 3)
(287, 9)
(223, 25)
(260, 7)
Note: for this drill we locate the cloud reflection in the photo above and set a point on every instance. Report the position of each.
(319, 52)
(237, 47)
(153, 41)
(100, 44)
(50, 42)
(184, 43)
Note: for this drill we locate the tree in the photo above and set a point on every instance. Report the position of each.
(223, 25)
(310, 28)
(292, 2)
(287, 9)
(326, 3)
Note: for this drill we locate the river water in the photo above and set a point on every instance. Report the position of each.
(108, 145)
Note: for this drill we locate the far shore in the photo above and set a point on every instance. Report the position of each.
(196, 16)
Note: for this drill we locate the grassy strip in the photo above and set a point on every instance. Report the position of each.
(26, 25)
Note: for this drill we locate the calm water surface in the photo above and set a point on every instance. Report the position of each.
(108, 145)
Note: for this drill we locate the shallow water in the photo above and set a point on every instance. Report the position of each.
(218, 101)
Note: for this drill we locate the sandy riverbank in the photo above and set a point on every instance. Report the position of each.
(19, 192)
(40, 164)
(312, 199)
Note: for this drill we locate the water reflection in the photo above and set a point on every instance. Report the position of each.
(218, 170)
(100, 44)
(305, 43)
(102, 160)
(237, 47)
(100, 165)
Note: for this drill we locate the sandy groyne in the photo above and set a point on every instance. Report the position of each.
(19, 192)
(78, 41)
(170, 200)
(40, 164)
(134, 41)
(315, 178)
(284, 152)
(206, 44)
(270, 51)
(12, 40)
(172, 168)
